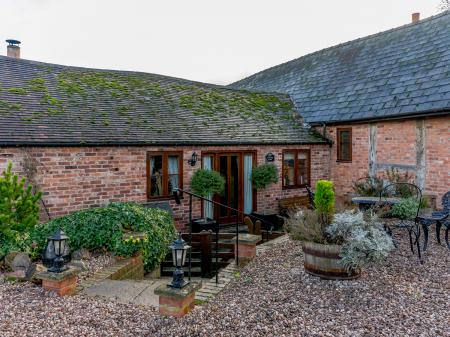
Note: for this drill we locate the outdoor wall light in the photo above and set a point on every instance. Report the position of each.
(193, 160)
(57, 252)
(179, 250)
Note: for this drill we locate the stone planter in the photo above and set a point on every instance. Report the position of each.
(324, 261)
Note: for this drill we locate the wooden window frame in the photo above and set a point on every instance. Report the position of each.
(296, 152)
(338, 141)
(165, 167)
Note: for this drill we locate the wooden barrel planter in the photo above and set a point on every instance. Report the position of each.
(324, 261)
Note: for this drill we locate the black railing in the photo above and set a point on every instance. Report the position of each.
(238, 212)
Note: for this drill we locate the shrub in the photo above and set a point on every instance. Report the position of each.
(406, 209)
(363, 238)
(207, 182)
(264, 175)
(324, 201)
(102, 229)
(19, 211)
(304, 225)
(402, 190)
(369, 186)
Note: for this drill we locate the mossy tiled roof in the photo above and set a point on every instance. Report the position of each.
(397, 73)
(46, 104)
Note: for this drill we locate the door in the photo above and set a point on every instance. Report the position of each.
(229, 168)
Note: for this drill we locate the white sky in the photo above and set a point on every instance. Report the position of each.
(204, 40)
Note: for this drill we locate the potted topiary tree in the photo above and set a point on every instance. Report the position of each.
(206, 183)
(337, 246)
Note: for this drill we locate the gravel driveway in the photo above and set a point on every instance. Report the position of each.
(271, 297)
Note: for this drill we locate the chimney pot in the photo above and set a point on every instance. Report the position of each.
(415, 17)
(13, 49)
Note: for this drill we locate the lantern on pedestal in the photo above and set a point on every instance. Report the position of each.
(57, 252)
(179, 251)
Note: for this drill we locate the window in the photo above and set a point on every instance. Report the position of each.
(164, 173)
(344, 144)
(296, 168)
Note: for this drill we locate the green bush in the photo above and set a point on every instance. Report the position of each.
(264, 175)
(102, 229)
(19, 211)
(324, 201)
(368, 187)
(406, 209)
(207, 182)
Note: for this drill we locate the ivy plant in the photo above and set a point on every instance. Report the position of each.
(264, 175)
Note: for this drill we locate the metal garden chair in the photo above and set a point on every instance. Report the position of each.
(440, 218)
(392, 194)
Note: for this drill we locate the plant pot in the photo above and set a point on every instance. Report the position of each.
(324, 261)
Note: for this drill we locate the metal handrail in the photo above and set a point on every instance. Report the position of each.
(177, 200)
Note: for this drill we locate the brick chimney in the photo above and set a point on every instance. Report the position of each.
(415, 17)
(13, 49)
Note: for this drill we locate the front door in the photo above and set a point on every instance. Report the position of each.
(229, 168)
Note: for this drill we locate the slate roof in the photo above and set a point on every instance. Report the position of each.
(400, 72)
(46, 104)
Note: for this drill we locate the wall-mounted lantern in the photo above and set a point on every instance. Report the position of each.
(193, 159)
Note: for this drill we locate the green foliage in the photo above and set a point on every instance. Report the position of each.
(368, 187)
(304, 225)
(102, 229)
(324, 201)
(19, 211)
(406, 209)
(364, 241)
(264, 175)
(402, 190)
(207, 182)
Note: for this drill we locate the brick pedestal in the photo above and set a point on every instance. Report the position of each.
(64, 283)
(176, 302)
(245, 249)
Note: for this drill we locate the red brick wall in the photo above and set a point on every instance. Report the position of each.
(396, 145)
(74, 178)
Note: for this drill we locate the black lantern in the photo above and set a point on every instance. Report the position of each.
(57, 252)
(179, 251)
(193, 160)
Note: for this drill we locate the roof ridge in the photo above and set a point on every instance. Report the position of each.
(405, 26)
(134, 72)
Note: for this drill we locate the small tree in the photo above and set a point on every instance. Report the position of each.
(206, 182)
(324, 201)
(19, 210)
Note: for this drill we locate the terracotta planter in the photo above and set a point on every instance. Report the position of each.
(324, 261)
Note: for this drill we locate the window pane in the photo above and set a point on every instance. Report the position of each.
(302, 174)
(344, 145)
(173, 170)
(156, 177)
(288, 169)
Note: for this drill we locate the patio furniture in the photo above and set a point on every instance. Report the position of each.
(292, 203)
(365, 203)
(311, 196)
(440, 218)
(253, 228)
(398, 191)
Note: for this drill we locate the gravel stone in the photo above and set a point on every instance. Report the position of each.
(272, 296)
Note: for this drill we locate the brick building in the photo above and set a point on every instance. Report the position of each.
(86, 137)
(383, 99)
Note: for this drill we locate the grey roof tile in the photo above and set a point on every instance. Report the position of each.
(396, 72)
(46, 104)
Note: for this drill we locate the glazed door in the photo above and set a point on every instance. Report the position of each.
(228, 165)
